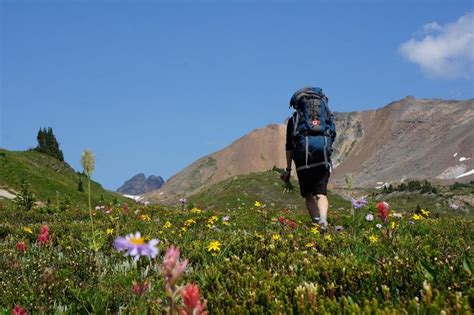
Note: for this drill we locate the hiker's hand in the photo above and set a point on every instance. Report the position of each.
(285, 176)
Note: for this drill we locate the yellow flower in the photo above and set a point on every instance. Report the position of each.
(184, 229)
(328, 237)
(417, 217)
(214, 246)
(109, 231)
(189, 222)
(258, 204)
(196, 210)
(225, 222)
(394, 225)
(425, 212)
(212, 219)
(145, 217)
(315, 230)
(276, 237)
(27, 229)
(309, 245)
(373, 238)
(168, 225)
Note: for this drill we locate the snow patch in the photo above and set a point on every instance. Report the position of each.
(136, 198)
(452, 172)
(455, 154)
(471, 172)
(381, 186)
(6, 194)
(463, 159)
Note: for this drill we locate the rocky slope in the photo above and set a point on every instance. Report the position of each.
(411, 138)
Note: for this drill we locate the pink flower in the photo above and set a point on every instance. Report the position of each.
(126, 209)
(44, 230)
(21, 247)
(172, 268)
(140, 288)
(43, 238)
(18, 310)
(192, 301)
(292, 224)
(383, 208)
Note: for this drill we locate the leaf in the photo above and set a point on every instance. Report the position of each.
(427, 271)
(467, 265)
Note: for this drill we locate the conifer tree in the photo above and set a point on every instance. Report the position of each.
(48, 144)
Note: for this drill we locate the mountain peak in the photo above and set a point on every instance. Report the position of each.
(140, 184)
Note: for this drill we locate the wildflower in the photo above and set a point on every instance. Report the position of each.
(172, 268)
(378, 226)
(27, 229)
(168, 225)
(315, 230)
(339, 228)
(182, 201)
(125, 208)
(21, 247)
(43, 238)
(281, 220)
(214, 246)
(87, 162)
(192, 301)
(258, 204)
(226, 218)
(109, 231)
(196, 210)
(369, 217)
(140, 288)
(394, 225)
(426, 213)
(44, 229)
(383, 208)
(213, 219)
(454, 206)
(226, 223)
(276, 237)
(373, 238)
(292, 224)
(134, 245)
(18, 310)
(189, 222)
(145, 217)
(309, 244)
(328, 237)
(359, 203)
(417, 217)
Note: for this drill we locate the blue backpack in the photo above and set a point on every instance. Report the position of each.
(313, 129)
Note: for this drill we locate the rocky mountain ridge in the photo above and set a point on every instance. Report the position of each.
(140, 184)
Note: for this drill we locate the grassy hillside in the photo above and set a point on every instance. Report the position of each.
(48, 178)
(242, 191)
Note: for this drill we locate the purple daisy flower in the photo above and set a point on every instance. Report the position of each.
(135, 245)
(359, 202)
(339, 228)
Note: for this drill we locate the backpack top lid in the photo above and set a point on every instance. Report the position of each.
(307, 92)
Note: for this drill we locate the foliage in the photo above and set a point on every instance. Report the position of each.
(246, 259)
(48, 144)
(25, 200)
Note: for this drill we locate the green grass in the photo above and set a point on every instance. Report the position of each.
(48, 178)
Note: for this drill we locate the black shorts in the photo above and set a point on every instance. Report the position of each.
(314, 180)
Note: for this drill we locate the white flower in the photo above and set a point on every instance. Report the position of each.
(378, 226)
(369, 217)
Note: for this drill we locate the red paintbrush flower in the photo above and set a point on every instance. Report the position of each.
(21, 247)
(282, 220)
(18, 310)
(44, 229)
(43, 239)
(192, 301)
(383, 208)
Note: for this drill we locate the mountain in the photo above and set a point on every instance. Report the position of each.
(406, 139)
(139, 184)
(48, 178)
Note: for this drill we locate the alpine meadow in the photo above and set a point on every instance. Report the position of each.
(237, 157)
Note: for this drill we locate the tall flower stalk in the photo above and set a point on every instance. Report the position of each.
(88, 163)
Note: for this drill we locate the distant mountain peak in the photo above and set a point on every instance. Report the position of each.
(140, 184)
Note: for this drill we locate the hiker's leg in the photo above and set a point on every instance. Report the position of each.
(312, 207)
(323, 205)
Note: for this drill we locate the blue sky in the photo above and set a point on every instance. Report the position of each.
(150, 86)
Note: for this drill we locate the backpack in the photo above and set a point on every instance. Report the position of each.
(313, 129)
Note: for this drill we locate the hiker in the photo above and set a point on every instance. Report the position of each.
(310, 134)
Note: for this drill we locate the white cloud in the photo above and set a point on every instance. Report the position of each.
(445, 51)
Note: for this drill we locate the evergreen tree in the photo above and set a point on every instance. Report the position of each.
(48, 144)
(80, 186)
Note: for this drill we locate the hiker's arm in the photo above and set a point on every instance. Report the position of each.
(289, 157)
